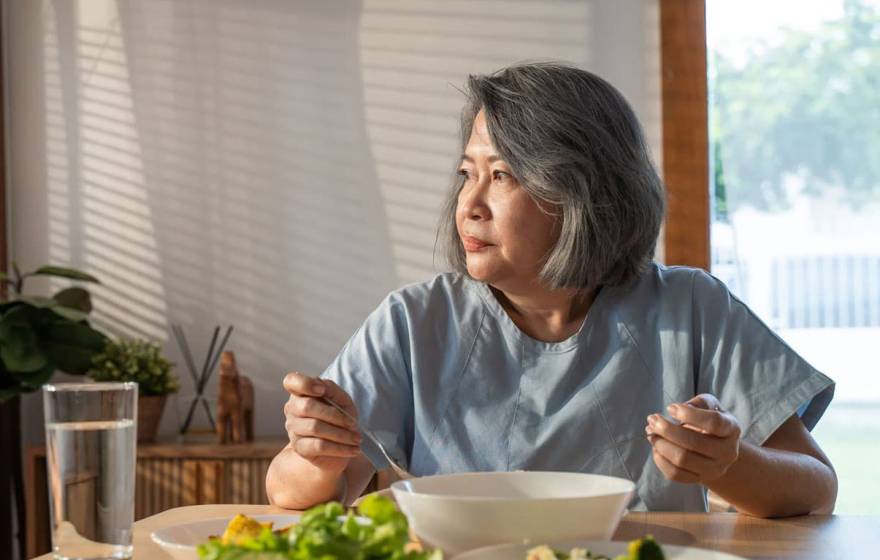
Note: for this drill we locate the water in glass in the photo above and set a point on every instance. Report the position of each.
(90, 455)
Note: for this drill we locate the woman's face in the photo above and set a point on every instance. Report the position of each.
(505, 234)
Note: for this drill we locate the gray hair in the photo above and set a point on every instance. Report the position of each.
(574, 144)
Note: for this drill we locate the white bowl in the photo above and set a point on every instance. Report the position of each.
(608, 548)
(458, 512)
(180, 541)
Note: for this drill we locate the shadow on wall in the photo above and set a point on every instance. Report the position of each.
(218, 159)
(262, 190)
(280, 165)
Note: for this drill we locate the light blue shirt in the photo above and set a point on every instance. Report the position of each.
(450, 383)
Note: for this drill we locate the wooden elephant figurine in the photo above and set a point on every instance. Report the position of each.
(235, 403)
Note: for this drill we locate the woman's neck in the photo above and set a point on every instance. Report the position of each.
(546, 315)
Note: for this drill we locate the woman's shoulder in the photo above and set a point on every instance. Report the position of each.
(670, 289)
(444, 295)
(662, 280)
(700, 286)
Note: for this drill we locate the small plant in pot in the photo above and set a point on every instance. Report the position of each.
(140, 361)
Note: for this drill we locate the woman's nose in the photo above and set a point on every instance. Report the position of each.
(472, 201)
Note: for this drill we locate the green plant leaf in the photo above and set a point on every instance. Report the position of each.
(38, 301)
(71, 346)
(38, 311)
(70, 314)
(34, 380)
(42, 302)
(19, 349)
(10, 391)
(9, 305)
(75, 298)
(18, 311)
(63, 272)
(135, 360)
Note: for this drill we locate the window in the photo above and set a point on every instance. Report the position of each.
(794, 120)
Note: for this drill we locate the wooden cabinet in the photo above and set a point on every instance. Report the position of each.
(168, 475)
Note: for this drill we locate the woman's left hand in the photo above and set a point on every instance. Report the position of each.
(699, 449)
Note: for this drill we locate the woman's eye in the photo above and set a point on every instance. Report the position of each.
(464, 173)
(500, 176)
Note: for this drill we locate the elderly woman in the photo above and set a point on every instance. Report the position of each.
(556, 343)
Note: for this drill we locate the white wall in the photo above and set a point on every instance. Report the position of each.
(272, 164)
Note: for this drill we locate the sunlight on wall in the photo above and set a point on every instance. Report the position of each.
(98, 202)
(278, 165)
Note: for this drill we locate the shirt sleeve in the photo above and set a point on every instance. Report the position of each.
(373, 369)
(748, 367)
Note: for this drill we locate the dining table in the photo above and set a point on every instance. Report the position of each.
(804, 537)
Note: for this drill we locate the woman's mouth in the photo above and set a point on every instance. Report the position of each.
(472, 244)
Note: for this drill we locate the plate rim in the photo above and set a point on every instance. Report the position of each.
(591, 542)
(156, 538)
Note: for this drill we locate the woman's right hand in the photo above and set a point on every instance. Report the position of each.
(318, 432)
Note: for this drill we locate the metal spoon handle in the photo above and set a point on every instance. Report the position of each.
(398, 470)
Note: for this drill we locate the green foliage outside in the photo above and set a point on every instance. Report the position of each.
(140, 361)
(806, 106)
(39, 335)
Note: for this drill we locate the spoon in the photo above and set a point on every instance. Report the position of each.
(402, 473)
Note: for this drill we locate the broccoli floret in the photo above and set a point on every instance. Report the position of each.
(645, 549)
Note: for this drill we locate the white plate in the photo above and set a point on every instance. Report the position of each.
(608, 548)
(180, 541)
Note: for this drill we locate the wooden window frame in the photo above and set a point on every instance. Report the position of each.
(685, 131)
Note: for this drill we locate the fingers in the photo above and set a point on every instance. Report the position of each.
(310, 407)
(314, 448)
(698, 444)
(316, 429)
(301, 384)
(310, 428)
(706, 445)
(672, 471)
(335, 393)
(706, 401)
(700, 465)
(715, 422)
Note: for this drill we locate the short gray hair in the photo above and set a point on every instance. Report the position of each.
(574, 144)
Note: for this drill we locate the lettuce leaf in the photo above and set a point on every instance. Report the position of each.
(326, 532)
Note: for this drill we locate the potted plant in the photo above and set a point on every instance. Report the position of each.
(140, 361)
(38, 336)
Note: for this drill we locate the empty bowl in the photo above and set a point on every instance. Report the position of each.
(458, 512)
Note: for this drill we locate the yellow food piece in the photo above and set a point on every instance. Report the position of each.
(241, 528)
(633, 548)
(542, 552)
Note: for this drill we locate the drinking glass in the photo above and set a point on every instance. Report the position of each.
(90, 457)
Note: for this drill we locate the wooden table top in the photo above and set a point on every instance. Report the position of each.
(809, 537)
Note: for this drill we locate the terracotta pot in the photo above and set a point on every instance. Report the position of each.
(150, 410)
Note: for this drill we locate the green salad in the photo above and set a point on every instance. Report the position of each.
(639, 549)
(325, 532)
